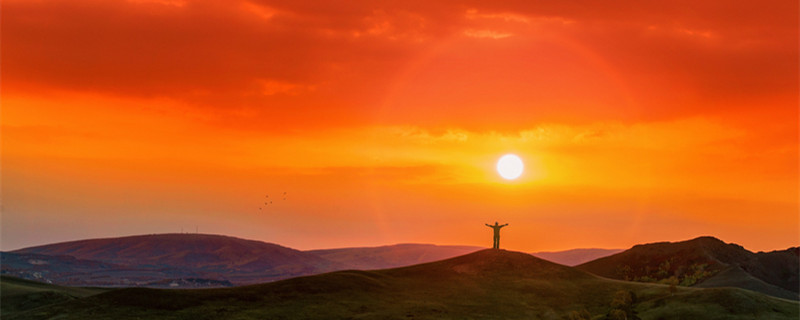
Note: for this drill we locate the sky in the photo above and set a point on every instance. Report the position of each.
(382, 121)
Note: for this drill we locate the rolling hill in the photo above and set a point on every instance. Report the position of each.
(200, 260)
(167, 256)
(488, 284)
(575, 257)
(704, 262)
(384, 257)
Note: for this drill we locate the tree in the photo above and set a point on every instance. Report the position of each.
(622, 306)
(623, 299)
(673, 285)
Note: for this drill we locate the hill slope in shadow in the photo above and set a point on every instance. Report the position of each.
(18, 294)
(704, 262)
(488, 284)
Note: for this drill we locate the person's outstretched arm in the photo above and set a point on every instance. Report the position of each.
(505, 225)
(487, 224)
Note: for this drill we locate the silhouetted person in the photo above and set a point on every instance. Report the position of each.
(496, 240)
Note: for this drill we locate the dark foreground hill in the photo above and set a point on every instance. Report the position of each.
(488, 284)
(17, 295)
(393, 256)
(705, 262)
(138, 260)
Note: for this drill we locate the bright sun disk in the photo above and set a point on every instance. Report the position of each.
(510, 166)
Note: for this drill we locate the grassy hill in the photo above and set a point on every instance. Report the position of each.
(18, 294)
(488, 284)
(704, 262)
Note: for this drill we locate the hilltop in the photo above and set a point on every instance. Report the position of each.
(18, 294)
(488, 284)
(704, 262)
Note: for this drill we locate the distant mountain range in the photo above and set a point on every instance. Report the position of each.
(152, 260)
(167, 260)
(215, 260)
(487, 284)
(199, 260)
(385, 257)
(705, 262)
(575, 257)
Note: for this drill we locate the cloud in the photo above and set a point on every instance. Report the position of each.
(320, 64)
(486, 34)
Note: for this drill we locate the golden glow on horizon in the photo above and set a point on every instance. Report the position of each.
(510, 166)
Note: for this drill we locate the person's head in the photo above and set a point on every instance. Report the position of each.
(495, 223)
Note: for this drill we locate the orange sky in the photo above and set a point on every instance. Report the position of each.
(382, 120)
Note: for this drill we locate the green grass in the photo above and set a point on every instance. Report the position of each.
(18, 295)
(719, 303)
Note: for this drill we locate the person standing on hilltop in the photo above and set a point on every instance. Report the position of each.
(496, 240)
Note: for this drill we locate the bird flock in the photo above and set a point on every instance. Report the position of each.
(268, 201)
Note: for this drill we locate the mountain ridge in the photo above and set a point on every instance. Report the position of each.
(574, 257)
(391, 256)
(155, 260)
(704, 260)
(487, 284)
(168, 260)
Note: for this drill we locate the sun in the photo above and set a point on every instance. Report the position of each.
(510, 166)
